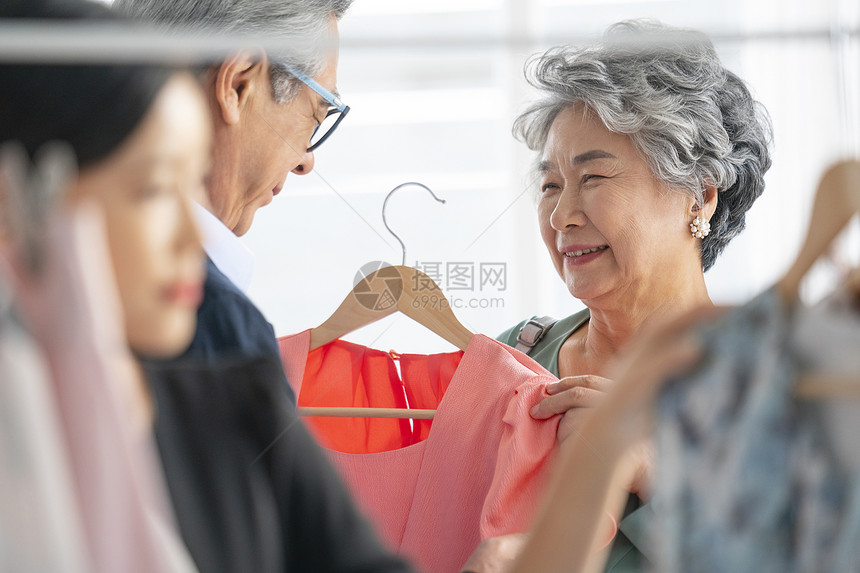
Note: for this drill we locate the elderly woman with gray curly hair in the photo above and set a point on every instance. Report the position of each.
(650, 153)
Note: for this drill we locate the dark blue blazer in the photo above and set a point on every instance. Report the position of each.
(230, 327)
(251, 489)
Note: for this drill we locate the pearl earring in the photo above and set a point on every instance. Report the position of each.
(700, 227)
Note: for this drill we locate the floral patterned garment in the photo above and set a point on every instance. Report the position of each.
(749, 477)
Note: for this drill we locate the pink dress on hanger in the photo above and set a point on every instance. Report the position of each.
(433, 489)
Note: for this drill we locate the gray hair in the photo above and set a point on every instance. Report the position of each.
(693, 121)
(305, 22)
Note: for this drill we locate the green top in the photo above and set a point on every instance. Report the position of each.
(626, 553)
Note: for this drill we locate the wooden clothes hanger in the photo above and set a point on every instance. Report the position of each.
(836, 201)
(381, 293)
(386, 291)
(30, 192)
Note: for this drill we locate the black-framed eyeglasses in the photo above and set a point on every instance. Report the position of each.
(336, 112)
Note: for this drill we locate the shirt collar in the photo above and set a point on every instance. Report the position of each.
(225, 249)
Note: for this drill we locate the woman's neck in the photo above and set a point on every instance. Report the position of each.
(611, 326)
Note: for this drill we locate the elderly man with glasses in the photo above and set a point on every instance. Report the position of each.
(269, 112)
(250, 489)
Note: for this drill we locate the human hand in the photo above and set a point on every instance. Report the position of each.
(664, 348)
(496, 554)
(573, 397)
(620, 422)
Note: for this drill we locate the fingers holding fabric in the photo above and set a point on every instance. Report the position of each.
(571, 392)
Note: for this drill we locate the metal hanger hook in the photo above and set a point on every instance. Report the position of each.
(384, 203)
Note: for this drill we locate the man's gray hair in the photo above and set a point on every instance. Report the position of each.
(305, 23)
(693, 121)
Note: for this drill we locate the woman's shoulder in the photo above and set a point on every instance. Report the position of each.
(569, 323)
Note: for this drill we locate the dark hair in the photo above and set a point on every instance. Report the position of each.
(91, 107)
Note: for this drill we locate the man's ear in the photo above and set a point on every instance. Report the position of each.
(236, 79)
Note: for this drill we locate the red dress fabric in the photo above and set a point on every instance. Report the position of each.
(437, 489)
(345, 374)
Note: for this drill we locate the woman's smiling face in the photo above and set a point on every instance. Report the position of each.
(612, 229)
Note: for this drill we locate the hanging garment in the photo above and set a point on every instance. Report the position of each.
(341, 373)
(630, 545)
(434, 491)
(750, 478)
(70, 306)
(40, 529)
(825, 340)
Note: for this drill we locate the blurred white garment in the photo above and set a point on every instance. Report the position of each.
(40, 528)
(71, 308)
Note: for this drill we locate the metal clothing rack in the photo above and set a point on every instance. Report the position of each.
(30, 42)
